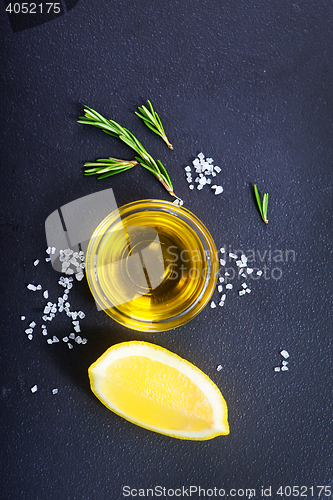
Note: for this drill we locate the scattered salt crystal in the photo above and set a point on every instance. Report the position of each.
(199, 186)
(77, 328)
(220, 288)
(277, 369)
(232, 255)
(284, 368)
(32, 324)
(221, 303)
(222, 262)
(38, 287)
(189, 180)
(249, 270)
(34, 388)
(241, 292)
(217, 169)
(212, 305)
(49, 341)
(219, 190)
(248, 290)
(81, 315)
(44, 331)
(222, 250)
(219, 368)
(284, 362)
(70, 346)
(201, 156)
(32, 287)
(55, 339)
(48, 250)
(48, 259)
(229, 286)
(46, 294)
(213, 174)
(203, 181)
(188, 169)
(78, 339)
(285, 354)
(29, 330)
(259, 273)
(240, 263)
(223, 297)
(191, 186)
(36, 262)
(22, 318)
(55, 391)
(226, 273)
(84, 341)
(221, 279)
(65, 339)
(80, 276)
(244, 285)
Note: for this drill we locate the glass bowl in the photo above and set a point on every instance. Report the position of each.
(151, 265)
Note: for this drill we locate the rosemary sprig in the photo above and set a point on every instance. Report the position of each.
(152, 120)
(105, 167)
(92, 117)
(262, 205)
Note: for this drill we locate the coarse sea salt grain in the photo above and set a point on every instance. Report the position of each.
(212, 305)
(46, 294)
(22, 318)
(259, 273)
(277, 369)
(36, 262)
(229, 286)
(232, 255)
(32, 287)
(220, 288)
(34, 388)
(284, 354)
(219, 368)
(284, 368)
(222, 262)
(55, 391)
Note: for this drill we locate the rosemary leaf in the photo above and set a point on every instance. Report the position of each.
(152, 121)
(262, 205)
(105, 167)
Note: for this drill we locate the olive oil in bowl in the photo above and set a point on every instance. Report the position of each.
(151, 265)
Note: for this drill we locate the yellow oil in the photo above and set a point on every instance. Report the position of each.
(151, 267)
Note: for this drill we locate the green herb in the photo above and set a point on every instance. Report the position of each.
(152, 120)
(110, 127)
(105, 167)
(262, 205)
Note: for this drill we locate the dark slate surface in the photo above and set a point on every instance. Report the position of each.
(250, 85)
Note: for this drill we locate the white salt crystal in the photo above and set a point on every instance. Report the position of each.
(220, 288)
(49, 341)
(189, 180)
(191, 186)
(65, 339)
(29, 330)
(78, 339)
(244, 258)
(249, 270)
(285, 354)
(81, 315)
(248, 290)
(30, 337)
(195, 162)
(48, 259)
(199, 186)
(72, 335)
(226, 273)
(32, 287)
(221, 280)
(38, 287)
(219, 368)
(84, 341)
(32, 324)
(284, 362)
(241, 292)
(229, 286)
(46, 294)
(70, 346)
(203, 181)
(232, 255)
(259, 273)
(44, 331)
(222, 250)
(222, 262)
(34, 388)
(22, 318)
(223, 297)
(201, 156)
(244, 285)
(277, 369)
(80, 276)
(36, 262)
(212, 305)
(221, 303)
(55, 339)
(48, 250)
(77, 328)
(217, 169)
(284, 368)
(209, 181)
(55, 391)
(188, 169)
(69, 271)
(219, 190)
(213, 174)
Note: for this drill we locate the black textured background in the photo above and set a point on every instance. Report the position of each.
(250, 85)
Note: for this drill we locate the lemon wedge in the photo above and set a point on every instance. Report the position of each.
(160, 391)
